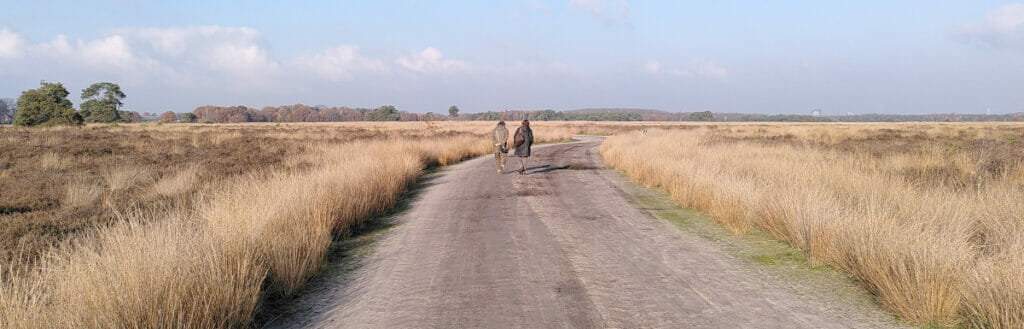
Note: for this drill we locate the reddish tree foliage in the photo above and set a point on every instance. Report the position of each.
(284, 113)
(131, 116)
(168, 117)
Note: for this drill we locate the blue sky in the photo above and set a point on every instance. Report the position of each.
(726, 56)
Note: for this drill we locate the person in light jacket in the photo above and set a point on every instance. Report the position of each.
(500, 139)
(523, 140)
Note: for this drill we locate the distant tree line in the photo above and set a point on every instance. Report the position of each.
(304, 113)
(938, 117)
(48, 105)
(320, 113)
(579, 115)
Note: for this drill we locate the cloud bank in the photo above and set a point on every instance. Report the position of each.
(10, 44)
(165, 67)
(1002, 28)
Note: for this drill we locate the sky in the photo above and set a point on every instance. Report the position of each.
(754, 56)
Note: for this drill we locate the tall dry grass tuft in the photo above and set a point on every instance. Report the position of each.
(162, 275)
(934, 231)
(177, 183)
(123, 177)
(81, 192)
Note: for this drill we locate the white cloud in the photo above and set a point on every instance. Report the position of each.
(1002, 27)
(233, 57)
(695, 68)
(240, 59)
(236, 65)
(109, 52)
(232, 50)
(180, 41)
(708, 70)
(58, 46)
(608, 12)
(652, 67)
(10, 44)
(431, 59)
(338, 63)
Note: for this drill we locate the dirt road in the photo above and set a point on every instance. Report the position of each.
(561, 247)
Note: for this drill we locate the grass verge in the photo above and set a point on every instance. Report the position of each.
(756, 249)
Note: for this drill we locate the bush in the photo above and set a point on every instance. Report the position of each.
(48, 105)
(383, 113)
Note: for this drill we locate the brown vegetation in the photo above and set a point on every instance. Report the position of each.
(168, 117)
(195, 225)
(928, 217)
(56, 182)
(191, 225)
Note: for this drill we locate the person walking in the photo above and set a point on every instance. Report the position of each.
(500, 136)
(523, 140)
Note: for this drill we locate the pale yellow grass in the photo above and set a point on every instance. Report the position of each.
(52, 161)
(263, 235)
(125, 176)
(81, 192)
(932, 252)
(177, 183)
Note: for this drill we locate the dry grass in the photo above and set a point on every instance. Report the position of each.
(928, 217)
(193, 232)
(178, 183)
(81, 193)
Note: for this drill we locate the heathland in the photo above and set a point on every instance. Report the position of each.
(192, 225)
(929, 218)
(182, 225)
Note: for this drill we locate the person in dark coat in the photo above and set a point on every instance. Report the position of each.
(500, 139)
(523, 140)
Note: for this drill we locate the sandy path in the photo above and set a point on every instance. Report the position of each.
(561, 247)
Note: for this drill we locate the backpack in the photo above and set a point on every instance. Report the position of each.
(519, 139)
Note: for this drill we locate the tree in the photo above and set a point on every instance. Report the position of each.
(406, 116)
(702, 116)
(383, 113)
(7, 110)
(129, 116)
(547, 115)
(453, 111)
(48, 105)
(188, 117)
(169, 117)
(102, 100)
